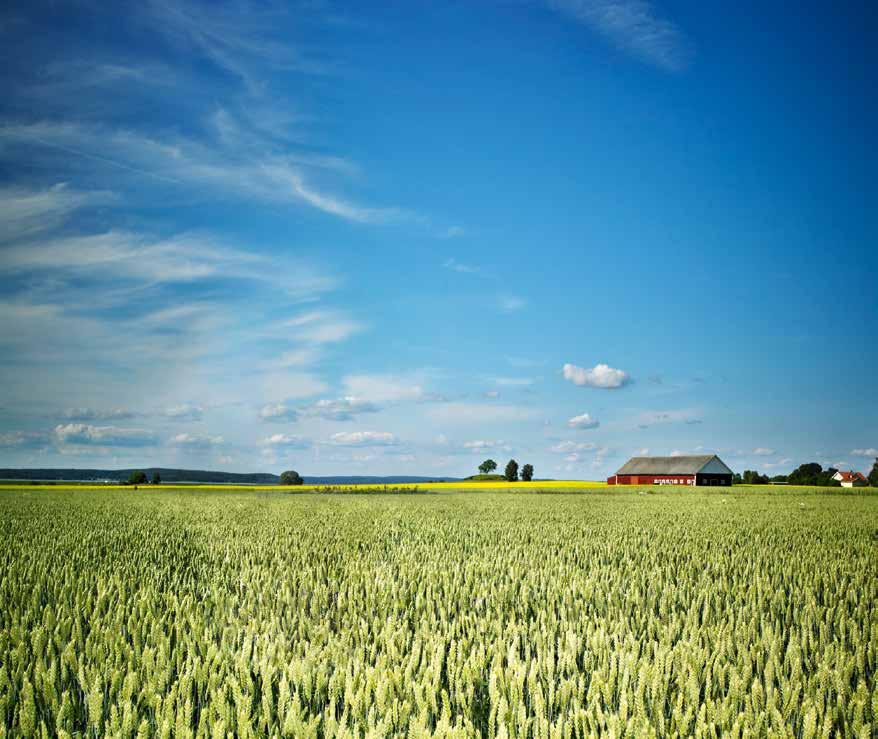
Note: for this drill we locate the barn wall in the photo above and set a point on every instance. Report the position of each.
(654, 480)
(714, 480)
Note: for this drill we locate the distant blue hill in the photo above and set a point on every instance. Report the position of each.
(170, 475)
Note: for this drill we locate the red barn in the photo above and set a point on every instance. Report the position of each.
(705, 469)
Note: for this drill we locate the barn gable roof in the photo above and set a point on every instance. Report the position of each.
(673, 465)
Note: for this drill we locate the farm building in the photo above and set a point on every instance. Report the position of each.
(851, 479)
(705, 469)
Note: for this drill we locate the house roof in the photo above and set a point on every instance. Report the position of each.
(671, 465)
(850, 476)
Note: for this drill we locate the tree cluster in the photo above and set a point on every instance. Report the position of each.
(291, 477)
(138, 477)
(813, 474)
(752, 477)
(511, 473)
(873, 475)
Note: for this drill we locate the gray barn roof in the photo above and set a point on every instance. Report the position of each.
(671, 465)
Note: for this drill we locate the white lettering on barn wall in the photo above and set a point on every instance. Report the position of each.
(673, 481)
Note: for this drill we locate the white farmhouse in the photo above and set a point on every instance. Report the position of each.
(851, 479)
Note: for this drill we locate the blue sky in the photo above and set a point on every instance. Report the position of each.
(354, 238)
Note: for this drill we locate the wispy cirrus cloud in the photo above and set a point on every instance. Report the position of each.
(566, 447)
(460, 267)
(386, 388)
(363, 438)
(687, 416)
(466, 413)
(144, 259)
(195, 441)
(178, 161)
(239, 38)
(514, 381)
(97, 414)
(478, 446)
(452, 232)
(322, 327)
(786, 461)
(25, 212)
(633, 26)
(104, 436)
(510, 303)
(23, 439)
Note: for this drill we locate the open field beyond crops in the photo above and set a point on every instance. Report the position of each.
(189, 612)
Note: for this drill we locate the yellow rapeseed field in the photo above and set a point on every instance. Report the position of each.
(195, 613)
(438, 486)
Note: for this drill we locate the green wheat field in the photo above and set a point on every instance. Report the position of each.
(191, 613)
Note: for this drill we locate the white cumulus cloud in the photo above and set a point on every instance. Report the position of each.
(339, 409)
(185, 412)
(870, 452)
(601, 376)
(277, 413)
(584, 421)
(287, 441)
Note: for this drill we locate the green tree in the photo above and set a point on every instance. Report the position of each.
(156, 478)
(511, 473)
(291, 477)
(806, 474)
(873, 475)
(527, 472)
(137, 478)
(487, 467)
(826, 478)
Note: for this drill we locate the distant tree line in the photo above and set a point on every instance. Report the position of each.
(810, 473)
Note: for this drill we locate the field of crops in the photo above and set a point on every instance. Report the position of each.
(607, 612)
